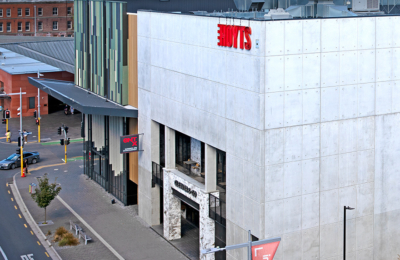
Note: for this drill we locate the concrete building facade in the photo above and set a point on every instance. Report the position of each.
(307, 120)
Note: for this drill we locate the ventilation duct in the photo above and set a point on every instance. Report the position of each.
(249, 5)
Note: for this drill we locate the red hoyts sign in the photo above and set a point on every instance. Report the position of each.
(229, 34)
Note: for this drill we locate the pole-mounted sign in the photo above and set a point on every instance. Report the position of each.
(129, 143)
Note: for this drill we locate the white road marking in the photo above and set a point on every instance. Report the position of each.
(56, 169)
(4, 255)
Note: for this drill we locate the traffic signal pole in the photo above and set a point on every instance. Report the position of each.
(22, 158)
(38, 115)
(65, 145)
(6, 125)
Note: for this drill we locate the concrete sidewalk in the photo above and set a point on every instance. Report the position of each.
(119, 226)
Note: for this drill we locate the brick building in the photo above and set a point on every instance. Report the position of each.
(14, 72)
(52, 18)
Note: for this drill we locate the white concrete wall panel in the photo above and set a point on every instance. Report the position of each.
(293, 72)
(366, 33)
(366, 66)
(366, 133)
(329, 173)
(348, 169)
(310, 210)
(293, 37)
(311, 70)
(395, 96)
(274, 146)
(311, 243)
(292, 179)
(384, 32)
(274, 109)
(365, 199)
(310, 176)
(292, 214)
(291, 244)
(329, 201)
(293, 144)
(311, 106)
(366, 166)
(348, 136)
(366, 99)
(365, 232)
(275, 74)
(275, 45)
(311, 141)
(348, 101)
(330, 35)
(293, 110)
(330, 104)
(348, 39)
(347, 196)
(383, 98)
(330, 69)
(330, 235)
(348, 67)
(311, 36)
(274, 182)
(329, 138)
(384, 64)
(274, 212)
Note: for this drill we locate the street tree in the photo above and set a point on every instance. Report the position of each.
(45, 193)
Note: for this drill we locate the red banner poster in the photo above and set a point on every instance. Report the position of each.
(264, 251)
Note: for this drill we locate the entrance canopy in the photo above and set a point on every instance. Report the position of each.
(85, 101)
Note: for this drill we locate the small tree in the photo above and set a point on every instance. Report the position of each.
(45, 194)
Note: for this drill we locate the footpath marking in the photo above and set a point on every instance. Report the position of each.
(45, 166)
(27, 257)
(4, 255)
(90, 228)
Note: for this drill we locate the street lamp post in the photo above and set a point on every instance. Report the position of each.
(344, 230)
(38, 115)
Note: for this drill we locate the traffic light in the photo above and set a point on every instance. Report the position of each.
(67, 141)
(18, 151)
(19, 141)
(62, 141)
(66, 129)
(34, 114)
(59, 130)
(37, 121)
(7, 114)
(4, 121)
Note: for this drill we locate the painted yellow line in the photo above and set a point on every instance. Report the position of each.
(12, 199)
(15, 207)
(19, 215)
(25, 226)
(9, 192)
(7, 184)
(32, 233)
(38, 243)
(47, 254)
(45, 166)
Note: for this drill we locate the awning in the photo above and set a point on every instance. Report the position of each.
(85, 101)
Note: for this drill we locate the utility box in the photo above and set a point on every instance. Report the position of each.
(32, 188)
(365, 5)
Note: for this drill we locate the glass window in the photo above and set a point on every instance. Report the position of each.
(1, 27)
(55, 11)
(19, 11)
(8, 27)
(40, 26)
(8, 12)
(69, 10)
(182, 149)
(27, 26)
(31, 102)
(40, 11)
(19, 26)
(221, 169)
(1, 12)
(69, 24)
(55, 25)
(27, 11)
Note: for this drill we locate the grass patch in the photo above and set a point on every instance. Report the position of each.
(64, 238)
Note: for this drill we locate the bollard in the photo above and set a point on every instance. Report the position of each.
(23, 173)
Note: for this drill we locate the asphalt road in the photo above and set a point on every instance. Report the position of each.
(16, 239)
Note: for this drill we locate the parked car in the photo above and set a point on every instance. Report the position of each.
(14, 160)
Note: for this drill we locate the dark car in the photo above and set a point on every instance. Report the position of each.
(14, 160)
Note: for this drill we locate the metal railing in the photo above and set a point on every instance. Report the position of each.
(217, 209)
(157, 174)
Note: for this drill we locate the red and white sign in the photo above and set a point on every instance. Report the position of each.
(229, 34)
(264, 251)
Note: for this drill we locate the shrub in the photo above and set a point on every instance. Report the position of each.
(68, 240)
(65, 238)
(48, 233)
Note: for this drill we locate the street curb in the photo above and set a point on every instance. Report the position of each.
(32, 223)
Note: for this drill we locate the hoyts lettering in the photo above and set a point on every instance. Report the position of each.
(229, 34)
